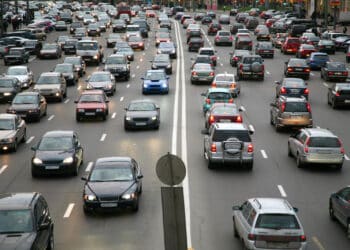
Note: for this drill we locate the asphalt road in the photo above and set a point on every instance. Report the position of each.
(209, 194)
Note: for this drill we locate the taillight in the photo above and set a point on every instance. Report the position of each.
(230, 101)
(213, 148)
(250, 43)
(239, 119)
(241, 66)
(283, 90)
(330, 73)
(283, 106)
(189, 43)
(307, 70)
(211, 119)
(308, 106)
(251, 236)
(235, 58)
(290, 69)
(302, 238)
(250, 148)
(217, 38)
(345, 73)
(306, 91)
(337, 93)
(140, 44)
(233, 86)
(207, 101)
(213, 85)
(211, 74)
(194, 73)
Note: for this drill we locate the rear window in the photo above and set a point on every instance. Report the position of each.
(293, 41)
(297, 63)
(295, 107)
(223, 135)
(219, 96)
(277, 221)
(207, 52)
(224, 33)
(336, 66)
(324, 142)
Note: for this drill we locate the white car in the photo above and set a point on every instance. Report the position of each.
(22, 73)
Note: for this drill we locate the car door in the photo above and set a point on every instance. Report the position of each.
(297, 144)
(20, 127)
(40, 217)
(63, 85)
(78, 149)
(241, 220)
(342, 205)
(136, 170)
(274, 110)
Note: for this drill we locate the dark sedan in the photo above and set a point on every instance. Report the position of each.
(339, 207)
(162, 61)
(297, 68)
(222, 112)
(264, 49)
(9, 87)
(142, 114)
(57, 152)
(292, 87)
(334, 71)
(326, 46)
(339, 95)
(195, 43)
(70, 46)
(167, 48)
(113, 183)
(50, 51)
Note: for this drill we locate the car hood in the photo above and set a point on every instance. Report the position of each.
(6, 134)
(46, 86)
(93, 105)
(21, 78)
(99, 84)
(141, 113)
(154, 81)
(161, 63)
(111, 188)
(20, 241)
(53, 155)
(23, 106)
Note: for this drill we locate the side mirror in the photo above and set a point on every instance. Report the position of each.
(277, 82)
(140, 176)
(241, 109)
(236, 208)
(126, 109)
(84, 178)
(295, 209)
(34, 148)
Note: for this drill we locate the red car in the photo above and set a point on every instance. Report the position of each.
(136, 42)
(92, 104)
(223, 112)
(214, 28)
(184, 17)
(270, 21)
(305, 50)
(150, 13)
(290, 45)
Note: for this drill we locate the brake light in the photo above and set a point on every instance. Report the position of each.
(194, 73)
(308, 106)
(140, 44)
(307, 70)
(239, 119)
(290, 69)
(250, 43)
(211, 119)
(207, 101)
(189, 44)
(217, 38)
(330, 73)
(337, 93)
(342, 151)
(345, 73)
(213, 85)
(306, 91)
(241, 66)
(231, 38)
(302, 238)
(233, 85)
(213, 148)
(211, 73)
(230, 101)
(251, 236)
(283, 90)
(283, 106)
(235, 58)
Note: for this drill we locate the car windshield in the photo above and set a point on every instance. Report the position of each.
(16, 221)
(296, 107)
(124, 49)
(224, 34)
(7, 124)
(277, 221)
(50, 46)
(206, 52)
(322, 57)
(135, 39)
(296, 82)
(224, 111)
(63, 68)
(161, 58)
(297, 63)
(224, 78)
(155, 76)
(250, 60)
(166, 45)
(100, 78)
(115, 60)
(119, 172)
(204, 67)
(223, 135)
(90, 98)
(14, 52)
(6, 83)
(48, 80)
(326, 42)
(141, 106)
(16, 71)
(336, 66)
(56, 143)
(25, 99)
(60, 23)
(324, 142)
(306, 46)
(163, 35)
(87, 46)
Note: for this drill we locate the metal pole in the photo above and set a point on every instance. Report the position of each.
(325, 7)
(335, 18)
(16, 6)
(1, 18)
(28, 13)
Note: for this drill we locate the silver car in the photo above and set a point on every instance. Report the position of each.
(339, 207)
(13, 130)
(227, 81)
(52, 85)
(22, 73)
(268, 223)
(102, 80)
(316, 145)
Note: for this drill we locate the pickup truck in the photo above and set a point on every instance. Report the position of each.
(16, 56)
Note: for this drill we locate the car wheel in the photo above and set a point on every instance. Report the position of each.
(299, 163)
(334, 105)
(339, 166)
(126, 127)
(34, 173)
(249, 166)
(328, 100)
(331, 211)
(65, 94)
(14, 148)
(87, 211)
(104, 117)
(235, 233)
(321, 75)
(24, 138)
(51, 242)
(76, 170)
(210, 165)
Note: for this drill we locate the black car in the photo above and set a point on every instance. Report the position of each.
(234, 28)
(70, 46)
(25, 222)
(142, 114)
(334, 71)
(32, 46)
(195, 43)
(326, 46)
(29, 106)
(162, 61)
(119, 66)
(292, 87)
(167, 48)
(206, 20)
(113, 183)
(9, 87)
(118, 26)
(57, 152)
(339, 95)
(296, 67)
(16, 56)
(264, 49)
(237, 55)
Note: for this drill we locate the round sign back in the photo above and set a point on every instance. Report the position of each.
(170, 169)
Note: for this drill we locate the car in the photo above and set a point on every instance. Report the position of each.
(102, 26)
(268, 222)
(155, 81)
(118, 65)
(306, 36)
(58, 151)
(167, 48)
(222, 112)
(278, 39)
(112, 39)
(341, 42)
(313, 40)
(70, 46)
(150, 14)
(79, 33)
(338, 95)
(136, 42)
(198, 16)
(292, 87)
(61, 40)
(13, 130)
(162, 61)
(78, 64)
(68, 72)
(237, 55)
(211, 13)
(73, 27)
(334, 71)
(206, 20)
(50, 50)
(24, 75)
(251, 22)
(65, 17)
(240, 17)
(118, 26)
(326, 46)
(9, 87)
(185, 24)
(90, 51)
(229, 144)
(264, 49)
(223, 37)
(195, 43)
(279, 27)
(224, 19)
(52, 85)
(263, 35)
(87, 19)
(16, 56)
(61, 26)
(317, 60)
(316, 146)
(104, 80)
(243, 43)
(32, 46)
(339, 209)
(290, 45)
(296, 67)
(126, 51)
(143, 27)
(210, 52)
(132, 30)
(193, 32)
(215, 95)
(26, 215)
(184, 17)
(202, 59)
(28, 105)
(213, 28)
(142, 114)
(202, 72)
(227, 81)
(113, 183)
(290, 112)
(251, 67)
(162, 37)
(120, 44)
(305, 50)
(92, 104)
(93, 29)
(235, 26)
(233, 12)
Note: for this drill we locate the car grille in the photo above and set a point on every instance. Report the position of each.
(109, 198)
(140, 119)
(52, 162)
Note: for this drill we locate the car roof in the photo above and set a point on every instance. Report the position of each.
(7, 116)
(93, 92)
(293, 99)
(343, 85)
(28, 93)
(272, 205)
(319, 132)
(211, 90)
(17, 200)
(50, 74)
(58, 133)
(230, 125)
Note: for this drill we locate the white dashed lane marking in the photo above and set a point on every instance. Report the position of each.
(221, 64)
(51, 117)
(346, 157)
(268, 72)
(67, 100)
(133, 75)
(283, 193)
(68, 210)
(89, 166)
(251, 128)
(312, 74)
(263, 153)
(128, 86)
(79, 88)
(243, 109)
(141, 59)
(114, 115)
(103, 137)
(318, 243)
(30, 140)
(122, 98)
(325, 84)
(3, 168)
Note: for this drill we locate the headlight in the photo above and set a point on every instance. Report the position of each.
(128, 118)
(37, 161)
(173, 51)
(95, 56)
(8, 140)
(7, 93)
(154, 118)
(89, 86)
(164, 85)
(11, 111)
(68, 160)
(99, 110)
(90, 197)
(128, 196)
(145, 85)
(109, 86)
(88, 30)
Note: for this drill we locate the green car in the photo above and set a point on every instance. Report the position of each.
(202, 73)
(215, 95)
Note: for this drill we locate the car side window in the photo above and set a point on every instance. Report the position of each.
(246, 208)
(251, 217)
(345, 194)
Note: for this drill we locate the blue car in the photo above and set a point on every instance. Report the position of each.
(317, 60)
(155, 82)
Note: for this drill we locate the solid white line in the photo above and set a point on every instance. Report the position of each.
(121, 98)
(312, 74)
(325, 84)
(263, 153)
(221, 64)
(318, 243)
(3, 168)
(30, 140)
(69, 210)
(176, 98)
(243, 109)
(51, 117)
(89, 166)
(251, 128)
(113, 115)
(137, 67)
(67, 100)
(346, 157)
(128, 86)
(218, 58)
(283, 193)
(103, 137)
(318, 127)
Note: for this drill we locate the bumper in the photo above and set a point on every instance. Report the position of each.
(91, 59)
(253, 75)
(26, 115)
(295, 122)
(6, 146)
(143, 124)
(52, 96)
(70, 51)
(110, 205)
(53, 168)
(204, 79)
(251, 246)
(229, 160)
(42, 56)
(298, 74)
(155, 90)
(322, 159)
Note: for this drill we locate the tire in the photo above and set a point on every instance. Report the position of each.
(135, 207)
(14, 148)
(249, 166)
(333, 104)
(87, 211)
(299, 163)
(78, 118)
(339, 166)
(235, 233)
(210, 165)
(289, 151)
(34, 174)
(65, 94)
(76, 170)
(51, 241)
(24, 138)
(104, 117)
(331, 211)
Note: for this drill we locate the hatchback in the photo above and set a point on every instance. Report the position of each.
(215, 95)
(339, 95)
(305, 50)
(292, 87)
(317, 60)
(264, 49)
(326, 46)
(223, 112)
(92, 104)
(227, 81)
(202, 72)
(214, 28)
(295, 67)
(223, 38)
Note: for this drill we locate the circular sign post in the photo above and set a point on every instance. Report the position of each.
(170, 169)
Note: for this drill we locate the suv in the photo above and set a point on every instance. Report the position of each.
(316, 146)
(243, 42)
(229, 143)
(290, 112)
(290, 45)
(52, 85)
(339, 95)
(251, 66)
(25, 216)
(118, 65)
(272, 222)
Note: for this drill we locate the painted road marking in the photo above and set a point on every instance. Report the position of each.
(69, 210)
(137, 66)
(3, 168)
(103, 137)
(89, 166)
(243, 109)
(346, 157)
(30, 140)
(121, 98)
(267, 72)
(283, 193)
(67, 100)
(128, 86)
(263, 153)
(79, 87)
(51, 117)
(312, 74)
(221, 64)
(318, 243)
(141, 59)
(325, 84)
(113, 115)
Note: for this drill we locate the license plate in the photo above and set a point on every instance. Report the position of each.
(202, 79)
(225, 120)
(299, 69)
(51, 167)
(347, 101)
(294, 91)
(277, 245)
(266, 51)
(89, 113)
(109, 204)
(140, 123)
(328, 47)
(338, 73)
